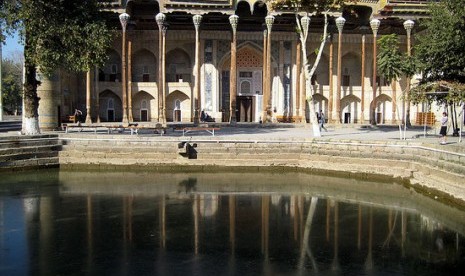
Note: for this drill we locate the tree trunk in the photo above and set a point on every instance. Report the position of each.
(309, 73)
(30, 98)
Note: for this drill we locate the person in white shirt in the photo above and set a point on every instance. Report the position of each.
(443, 131)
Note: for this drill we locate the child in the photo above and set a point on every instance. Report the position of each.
(443, 131)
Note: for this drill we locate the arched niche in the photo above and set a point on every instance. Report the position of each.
(111, 71)
(143, 106)
(178, 66)
(144, 66)
(110, 107)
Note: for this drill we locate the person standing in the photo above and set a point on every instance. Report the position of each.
(443, 131)
(321, 119)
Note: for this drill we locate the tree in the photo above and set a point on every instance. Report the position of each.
(439, 49)
(11, 86)
(439, 52)
(392, 64)
(56, 33)
(305, 8)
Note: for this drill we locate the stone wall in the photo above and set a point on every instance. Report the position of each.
(422, 167)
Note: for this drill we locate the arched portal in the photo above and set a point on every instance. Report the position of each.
(350, 108)
(178, 107)
(144, 107)
(383, 108)
(111, 108)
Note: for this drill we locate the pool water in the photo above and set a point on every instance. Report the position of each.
(56, 222)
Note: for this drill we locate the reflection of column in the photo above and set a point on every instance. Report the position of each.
(265, 224)
(196, 223)
(331, 91)
(160, 18)
(403, 231)
(369, 260)
(362, 106)
(269, 19)
(232, 222)
(130, 81)
(374, 23)
(124, 17)
(340, 21)
(197, 19)
(97, 92)
(328, 217)
(359, 240)
(162, 223)
(233, 20)
(88, 97)
(295, 202)
(335, 264)
(90, 248)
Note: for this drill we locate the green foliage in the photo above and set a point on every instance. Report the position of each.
(11, 85)
(440, 48)
(60, 33)
(440, 91)
(390, 60)
(310, 6)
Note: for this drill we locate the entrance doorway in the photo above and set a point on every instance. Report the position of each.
(144, 112)
(245, 109)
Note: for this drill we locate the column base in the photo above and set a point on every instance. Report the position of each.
(88, 119)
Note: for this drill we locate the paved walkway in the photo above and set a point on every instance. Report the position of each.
(298, 132)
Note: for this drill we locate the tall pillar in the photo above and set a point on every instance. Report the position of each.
(88, 97)
(269, 20)
(233, 20)
(197, 19)
(298, 61)
(1, 91)
(340, 21)
(97, 94)
(160, 18)
(408, 25)
(130, 115)
(264, 82)
(124, 18)
(374, 23)
(163, 65)
(331, 83)
(362, 107)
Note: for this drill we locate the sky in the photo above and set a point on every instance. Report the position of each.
(12, 45)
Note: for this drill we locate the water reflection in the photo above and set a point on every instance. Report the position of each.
(225, 223)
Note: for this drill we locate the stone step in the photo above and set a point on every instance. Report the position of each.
(29, 163)
(28, 155)
(29, 149)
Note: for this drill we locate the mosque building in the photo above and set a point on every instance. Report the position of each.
(237, 60)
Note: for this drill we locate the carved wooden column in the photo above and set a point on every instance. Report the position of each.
(331, 83)
(233, 20)
(130, 81)
(197, 107)
(269, 20)
(264, 73)
(374, 23)
(88, 97)
(340, 21)
(163, 66)
(160, 18)
(298, 61)
(124, 18)
(362, 107)
(97, 93)
(408, 25)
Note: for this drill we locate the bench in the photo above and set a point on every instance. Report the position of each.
(210, 130)
(68, 127)
(159, 129)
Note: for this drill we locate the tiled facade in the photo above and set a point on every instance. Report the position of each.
(180, 100)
